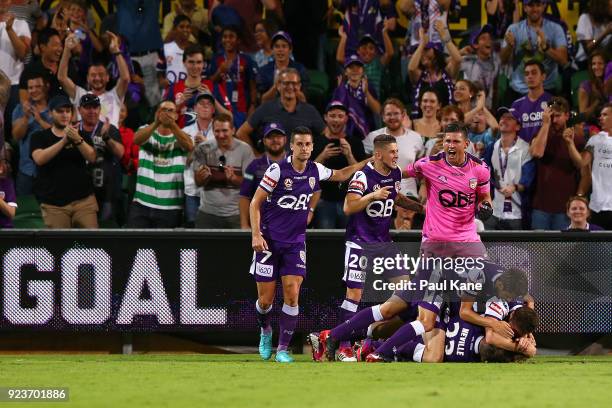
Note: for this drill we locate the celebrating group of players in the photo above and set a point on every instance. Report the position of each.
(423, 325)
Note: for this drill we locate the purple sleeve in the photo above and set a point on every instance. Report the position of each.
(249, 183)
(9, 193)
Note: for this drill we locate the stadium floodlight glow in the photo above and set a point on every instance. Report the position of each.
(144, 274)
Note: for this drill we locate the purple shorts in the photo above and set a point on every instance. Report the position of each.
(279, 260)
(355, 264)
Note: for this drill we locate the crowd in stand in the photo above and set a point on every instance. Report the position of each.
(139, 123)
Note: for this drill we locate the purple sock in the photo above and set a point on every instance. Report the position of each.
(263, 318)
(348, 309)
(288, 320)
(405, 352)
(360, 321)
(406, 333)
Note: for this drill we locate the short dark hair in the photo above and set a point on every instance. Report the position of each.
(471, 86)
(191, 50)
(515, 281)
(535, 62)
(300, 130)
(456, 127)
(448, 109)
(559, 103)
(45, 35)
(493, 354)
(232, 28)
(224, 118)
(525, 319)
(383, 140)
(179, 19)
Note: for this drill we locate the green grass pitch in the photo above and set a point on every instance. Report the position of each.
(245, 381)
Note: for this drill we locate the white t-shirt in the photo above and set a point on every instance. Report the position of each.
(109, 101)
(514, 161)
(9, 63)
(410, 146)
(586, 30)
(600, 147)
(175, 69)
(191, 189)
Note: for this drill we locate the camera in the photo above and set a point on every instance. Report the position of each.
(222, 162)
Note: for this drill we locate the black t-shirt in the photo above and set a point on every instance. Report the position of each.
(36, 67)
(106, 170)
(331, 190)
(64, 178)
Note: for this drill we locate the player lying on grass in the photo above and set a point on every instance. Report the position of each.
(279, 213)
(457, 188)
(372, 194)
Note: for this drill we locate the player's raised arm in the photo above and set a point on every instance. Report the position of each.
(348, 171)
(467, 313)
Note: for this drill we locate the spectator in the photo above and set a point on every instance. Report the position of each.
(138, 23)
(97, 80)
(482, 64)
(423, 16)
(557, 169)
(50, 47)
(267, 76)
(8, 200)
(448, 114)
(184, 91)
(429, 71)
(336, 148)
(531, 106)
(263, 40)
(512, 173)
(15, 40)
(367, 50)
(63, 186)
(198, 17)
(578, 212)
(274, 141)
(409, 143)
(5, 93)
(596, 157)
(363, 17)
(237, 71)
(354, 92)
(158, 201)
(428, 125)
(106, 168)
(500, 14)
(200, 131)
(593, 30)
(30, 12)
(534, 38)
(591, 94)
(287, 110)
(171, 67)
(468, 98)
(483, 127)
(28, 118)
(90, 43)
(218, 166)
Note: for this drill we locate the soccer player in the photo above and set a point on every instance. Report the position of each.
(369, 202)
(457, 187)
(278, 234)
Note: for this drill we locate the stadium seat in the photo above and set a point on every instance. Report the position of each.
(577, 79)
(317, 92)
(28, 213)
(502, 87)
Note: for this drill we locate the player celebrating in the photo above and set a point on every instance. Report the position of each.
(369, 204)
(278, 234)
(457, 187)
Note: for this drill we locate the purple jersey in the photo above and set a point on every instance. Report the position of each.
(253, 174)
(462, 341)
(530, 114)
(373, 223)
(285, 212)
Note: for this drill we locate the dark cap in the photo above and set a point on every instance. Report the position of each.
(206, 95)
(487, 28)
(274, 128)
(282, 35)
(89, 99)
(353, 59)
(503, 110)
(367, 38)
(59, 101)
(336, 105)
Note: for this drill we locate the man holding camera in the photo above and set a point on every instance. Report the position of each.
(218, 166)
(158, 201)
(63, 186)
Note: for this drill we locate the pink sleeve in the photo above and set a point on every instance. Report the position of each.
(484, 179)
(416, 168)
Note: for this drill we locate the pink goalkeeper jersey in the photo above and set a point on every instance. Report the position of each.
(452, 196)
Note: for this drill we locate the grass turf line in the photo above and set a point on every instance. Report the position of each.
(246, 381)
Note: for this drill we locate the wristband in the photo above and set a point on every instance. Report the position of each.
(115, 53)
(312, 210)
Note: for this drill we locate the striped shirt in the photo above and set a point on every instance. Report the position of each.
(159, 182)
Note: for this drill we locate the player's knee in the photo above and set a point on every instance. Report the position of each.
(427, 322)
(387, 310)
(354, 294)
(265, 302)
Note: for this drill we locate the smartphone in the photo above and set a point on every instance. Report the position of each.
(336, 142)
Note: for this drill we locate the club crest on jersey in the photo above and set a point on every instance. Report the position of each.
(397, 186)
(303, 256)
(442, 179)
(544, 105)
(311, 182)
(288, 184)
(473, 183)
(376, 187)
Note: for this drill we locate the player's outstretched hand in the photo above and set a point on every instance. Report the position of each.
(381, 193)
(259, 243)
(503, 329)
